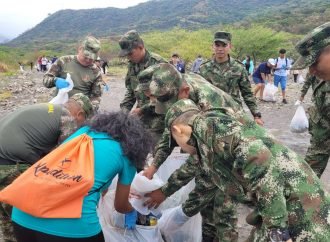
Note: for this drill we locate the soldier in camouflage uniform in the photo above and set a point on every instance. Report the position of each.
(86, 76)
(31, 132)
(290, 202)
(168, 85)
(140, 58)
(314, 50)
(229, 75)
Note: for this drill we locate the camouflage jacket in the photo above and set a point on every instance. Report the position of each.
(286, 192)
(86, 80)
(311, 81)
(131, 83)
(232, 78)
(206, 96)
(321, 98)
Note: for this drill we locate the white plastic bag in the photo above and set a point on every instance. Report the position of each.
(113, 222)
(62, 95)
(142, 185)
(300, 79)
(190, 231)
(269, 93)
(299, 122)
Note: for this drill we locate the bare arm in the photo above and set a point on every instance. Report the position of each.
(122, 204)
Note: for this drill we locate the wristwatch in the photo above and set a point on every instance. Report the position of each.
(257, 115)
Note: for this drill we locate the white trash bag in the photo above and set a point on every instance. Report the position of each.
(269, 93)
(62, 95)
(113, 224)
(300, 79)
(142, 185)
(299, 122)
(175, 226)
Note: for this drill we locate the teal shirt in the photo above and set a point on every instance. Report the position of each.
(109, 161)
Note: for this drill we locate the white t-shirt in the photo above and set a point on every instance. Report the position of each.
(284, 65)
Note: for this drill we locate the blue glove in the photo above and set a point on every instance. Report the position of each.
(106, 87)
(61, 83)
(130, 219)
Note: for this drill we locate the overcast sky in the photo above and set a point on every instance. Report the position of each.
(17, 16)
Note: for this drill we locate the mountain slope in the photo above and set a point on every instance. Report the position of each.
(166, 14)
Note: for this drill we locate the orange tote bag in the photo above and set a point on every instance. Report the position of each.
(55, 186)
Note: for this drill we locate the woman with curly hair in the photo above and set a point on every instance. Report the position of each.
(121, 145)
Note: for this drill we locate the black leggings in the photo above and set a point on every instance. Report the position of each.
(28, 235)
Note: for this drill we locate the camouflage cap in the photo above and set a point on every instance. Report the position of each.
(84, 103)
(145, 76)
(311, 46)
(91, 47)
(165, 84)
(222, 36)
(177, 109)
(128, 42)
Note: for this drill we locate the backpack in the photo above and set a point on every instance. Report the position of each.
(286, 61)
(55, 186)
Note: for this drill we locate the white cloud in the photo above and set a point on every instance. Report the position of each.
(17, 16)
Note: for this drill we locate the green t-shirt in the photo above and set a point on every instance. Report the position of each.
(30, 132)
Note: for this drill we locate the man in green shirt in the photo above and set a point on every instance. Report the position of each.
(139, 58)
(86, 76)
(31, 132)
(229, 75)
(289, 200)
(314, 50)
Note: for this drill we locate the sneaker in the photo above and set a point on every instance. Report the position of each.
(284, 101)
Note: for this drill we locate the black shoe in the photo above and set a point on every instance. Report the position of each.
(284, 101)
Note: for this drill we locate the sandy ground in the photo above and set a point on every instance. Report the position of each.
(277, 117)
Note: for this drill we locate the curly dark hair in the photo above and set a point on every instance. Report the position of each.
(128, 130)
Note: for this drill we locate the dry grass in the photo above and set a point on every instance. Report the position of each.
(5, 95)
(3, 67)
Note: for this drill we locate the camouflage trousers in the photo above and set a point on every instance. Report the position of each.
(218, 212)
(318, 152)
(8, 173)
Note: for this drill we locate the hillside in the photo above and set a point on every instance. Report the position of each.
(69, 25)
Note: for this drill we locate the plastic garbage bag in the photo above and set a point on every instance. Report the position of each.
(300, 79)
(113, 222)
(269, 92)
(190, 231)
(299, 122)
(142, 185)
(62, 95)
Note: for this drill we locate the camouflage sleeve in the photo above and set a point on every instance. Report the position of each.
(129, 100)
(181, 177)
(307, 84)
(96, 91)
(264, 180)
(163, 149)
(246, 92)
(201, 196)
(54, 71)
(68, 125)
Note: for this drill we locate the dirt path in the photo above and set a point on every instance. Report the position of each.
(27, 89)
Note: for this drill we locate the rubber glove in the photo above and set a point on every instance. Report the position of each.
(61, 83)
(130, 219)
(106, 87)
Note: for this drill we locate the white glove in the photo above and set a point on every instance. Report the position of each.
(297, 103)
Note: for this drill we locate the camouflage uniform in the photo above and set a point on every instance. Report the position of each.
(166, 81)
(12, 163)
(232, 78)
(153, 122)
(319, 115)
(86, 79)
(286, 192)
